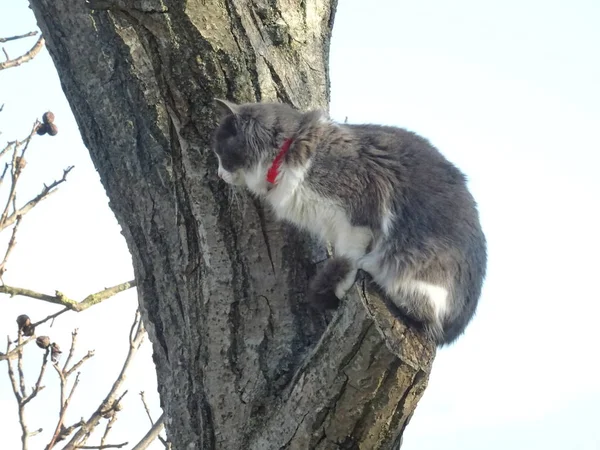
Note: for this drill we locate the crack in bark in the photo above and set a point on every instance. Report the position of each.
(247, 52)
(263, 228)
(280, 88)
(286, 445)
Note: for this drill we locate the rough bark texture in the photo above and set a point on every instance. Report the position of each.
(242, 361)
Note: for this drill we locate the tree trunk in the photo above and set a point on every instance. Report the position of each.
(243, 362)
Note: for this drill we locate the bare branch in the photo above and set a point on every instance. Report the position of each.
(26, 57)
(20, 36)
(152, 434)
(12, 354)
(104, 446)
(109, 403)
(71, 350)
(78, 364)
(51, 316)
(46, 191)
(38, 387)
(11, 373)
(20, 369)
(108, 428)
(63, 300)
(143, 397)
(10, 247)
(64, 405)
(19, 387)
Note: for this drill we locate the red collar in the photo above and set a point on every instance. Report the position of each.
(276, 164)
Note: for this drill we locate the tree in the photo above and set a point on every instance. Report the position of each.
(242, 360)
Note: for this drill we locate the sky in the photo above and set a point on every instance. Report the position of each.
(508, 91)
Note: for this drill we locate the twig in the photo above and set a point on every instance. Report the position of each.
(51, 316)
(109, 426)
(64, 404)
(10, 247)
(104, 446)
(71, 350)
(38, 387)
(12, 354)
(143, 397)
(19, 387)
(20, 36)
(136, 339)
(152, 434)
(11, 373)
(14, 177)
(46, 191)
(63, 300)
(20, 369)
(24, 58)
(3, 172)
(78, 364)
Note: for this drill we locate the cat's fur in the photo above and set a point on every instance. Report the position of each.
(387, 200)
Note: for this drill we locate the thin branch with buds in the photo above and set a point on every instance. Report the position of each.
(61, 299)
(111, 402)
(20, 36)
(18, 386)
(60, 432)
(23, 58)
(163, 440)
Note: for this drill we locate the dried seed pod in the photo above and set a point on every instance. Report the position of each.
(52, 129)
(42, 130)
(21, 163)
(43, 342)
(25, 325)
(55, 352)
(48, 117)
(23, 320)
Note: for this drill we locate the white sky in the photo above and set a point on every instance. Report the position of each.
(509, 91)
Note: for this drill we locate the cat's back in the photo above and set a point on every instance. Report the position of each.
(369, 154)
(380, 168)
(398, 147)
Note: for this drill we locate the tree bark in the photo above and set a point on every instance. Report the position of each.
(243, 362)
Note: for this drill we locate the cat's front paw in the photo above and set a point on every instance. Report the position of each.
(322, 296)
(328, 286)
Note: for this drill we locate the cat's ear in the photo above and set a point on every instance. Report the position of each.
(226, 108)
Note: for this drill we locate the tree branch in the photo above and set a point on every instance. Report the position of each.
(8, 220)
(10, 247)
(63, 300)
(24, 58)
(20, 36)
(12, 354)
(38, 387)
(104, 446)
(111, 402)
(152, 434)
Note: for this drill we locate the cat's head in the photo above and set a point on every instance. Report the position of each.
(249, 136)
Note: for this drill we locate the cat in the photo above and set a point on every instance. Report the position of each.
(390, 203)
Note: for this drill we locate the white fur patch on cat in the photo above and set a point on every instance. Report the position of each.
(437, 295)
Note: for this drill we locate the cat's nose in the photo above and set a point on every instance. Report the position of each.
(220, 173)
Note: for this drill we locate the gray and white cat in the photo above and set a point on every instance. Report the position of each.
(387, 200)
